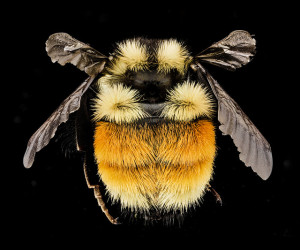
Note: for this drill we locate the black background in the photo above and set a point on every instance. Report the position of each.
(51, 203)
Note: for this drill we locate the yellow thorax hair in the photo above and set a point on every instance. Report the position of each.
(187, 101)
(171, 54)
(118, 104)
(121, 104)
(134, 55)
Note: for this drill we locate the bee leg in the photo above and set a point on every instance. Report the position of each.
(98, 195)
(104, 209)
(215, 193)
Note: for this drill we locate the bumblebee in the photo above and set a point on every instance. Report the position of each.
(144, 121)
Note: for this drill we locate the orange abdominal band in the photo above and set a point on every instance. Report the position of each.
(164, 166)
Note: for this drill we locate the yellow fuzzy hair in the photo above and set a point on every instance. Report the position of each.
(117, 103)
(131, 55)
(187, 101)
(172, 55)
(165, 167)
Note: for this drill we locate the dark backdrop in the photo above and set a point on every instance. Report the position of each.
(51, 203)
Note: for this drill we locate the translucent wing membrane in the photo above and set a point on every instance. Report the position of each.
(254, 149)
(63, 48)
(230, 53)
(47, 131)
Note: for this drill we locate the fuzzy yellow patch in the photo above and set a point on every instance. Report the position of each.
(163, 166)
(132, 55)
(187, 101)
(172, 55)
(117, 103)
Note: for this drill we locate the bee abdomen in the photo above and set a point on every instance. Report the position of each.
(163, 167)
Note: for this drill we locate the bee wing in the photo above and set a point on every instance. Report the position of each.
(230, 53)
(47, 131)
(254, 149)
(63, 48)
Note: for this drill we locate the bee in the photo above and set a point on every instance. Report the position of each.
(143, 120)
